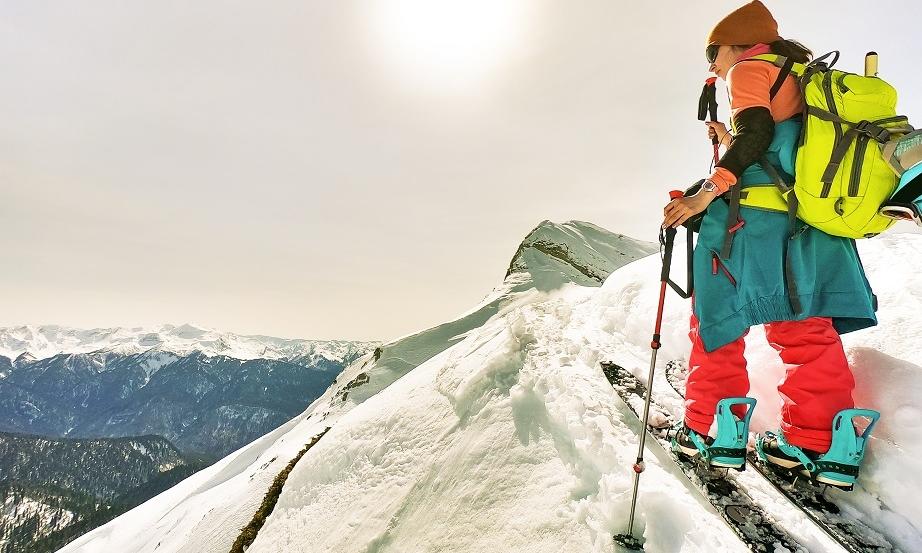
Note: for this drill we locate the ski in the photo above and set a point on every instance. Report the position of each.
(852, 534)
(734, 505)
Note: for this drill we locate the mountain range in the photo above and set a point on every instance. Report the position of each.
(204, 402)
(42, 341)
(93, 422)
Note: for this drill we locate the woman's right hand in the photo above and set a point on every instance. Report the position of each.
(718, 129)
(681, 209)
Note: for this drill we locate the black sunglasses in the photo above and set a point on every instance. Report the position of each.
(711, 52)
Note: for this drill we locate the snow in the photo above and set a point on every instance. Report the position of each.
(26, 343)
(153, 360)
(510, 438)
(49, 518)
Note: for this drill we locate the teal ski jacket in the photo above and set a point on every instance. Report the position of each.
(749, 288)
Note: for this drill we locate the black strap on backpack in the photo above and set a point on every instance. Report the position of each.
(734, 222)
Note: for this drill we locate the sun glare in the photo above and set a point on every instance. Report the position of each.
(446, 45)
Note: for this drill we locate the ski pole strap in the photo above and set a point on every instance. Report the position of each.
(667, 238)
(690, 274)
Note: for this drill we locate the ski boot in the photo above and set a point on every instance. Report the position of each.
(838, 466)
(728, 449)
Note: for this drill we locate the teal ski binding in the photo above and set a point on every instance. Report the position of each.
(838, 466)
(728, 449)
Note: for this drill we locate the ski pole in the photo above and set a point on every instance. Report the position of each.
(667, 238)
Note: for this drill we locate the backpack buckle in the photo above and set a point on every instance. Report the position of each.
(876, 132)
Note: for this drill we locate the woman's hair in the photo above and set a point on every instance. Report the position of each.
(791, 49)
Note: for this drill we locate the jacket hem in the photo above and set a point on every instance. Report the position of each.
(777, 308)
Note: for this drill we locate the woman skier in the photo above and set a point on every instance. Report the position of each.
(752, 285)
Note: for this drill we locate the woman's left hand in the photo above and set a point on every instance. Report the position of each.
(681, 209)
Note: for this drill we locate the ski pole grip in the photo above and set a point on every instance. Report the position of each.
(676, 194)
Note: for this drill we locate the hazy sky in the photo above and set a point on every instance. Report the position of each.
(357, 170)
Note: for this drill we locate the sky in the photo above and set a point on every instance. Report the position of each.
(348, 170)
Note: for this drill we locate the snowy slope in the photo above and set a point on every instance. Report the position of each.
(40, 342)
(510, 439)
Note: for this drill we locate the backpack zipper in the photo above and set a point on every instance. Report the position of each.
(857, 163)
(716, 264)
(831, 104)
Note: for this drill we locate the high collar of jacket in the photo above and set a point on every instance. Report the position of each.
(760, 48)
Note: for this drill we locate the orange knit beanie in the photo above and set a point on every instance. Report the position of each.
(750, 24)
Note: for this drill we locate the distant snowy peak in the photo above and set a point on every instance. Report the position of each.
(27, 343)
(575, 251)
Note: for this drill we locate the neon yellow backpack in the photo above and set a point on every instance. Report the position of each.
(840, 175)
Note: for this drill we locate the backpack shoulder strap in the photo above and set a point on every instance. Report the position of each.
(785, 71)
(787, 66)
(734, 222)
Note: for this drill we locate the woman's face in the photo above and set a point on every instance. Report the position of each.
(726, 56)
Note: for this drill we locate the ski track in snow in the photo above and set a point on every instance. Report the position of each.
(512, 440)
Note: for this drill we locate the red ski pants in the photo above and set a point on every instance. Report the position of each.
(817, 383)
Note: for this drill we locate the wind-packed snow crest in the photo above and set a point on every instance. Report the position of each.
(498, 432)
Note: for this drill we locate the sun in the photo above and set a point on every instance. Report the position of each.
(446, 45)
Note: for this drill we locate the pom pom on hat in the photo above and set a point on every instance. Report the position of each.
(750, 24)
